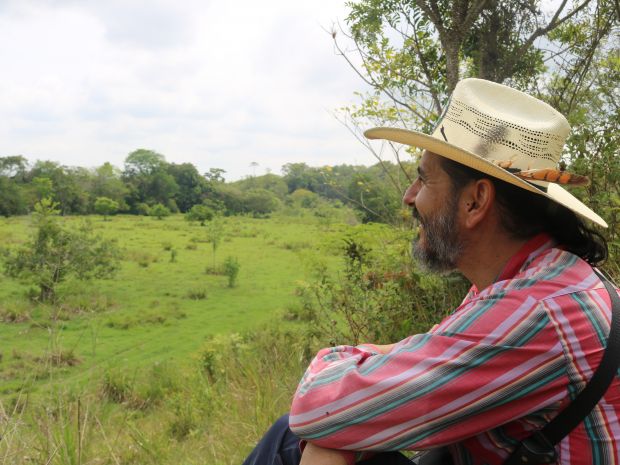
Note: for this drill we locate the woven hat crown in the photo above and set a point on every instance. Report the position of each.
(501, 124)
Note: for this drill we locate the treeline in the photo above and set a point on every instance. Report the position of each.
(148, 184)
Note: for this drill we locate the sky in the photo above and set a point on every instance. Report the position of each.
(219, 84)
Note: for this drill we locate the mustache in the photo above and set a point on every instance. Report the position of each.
(416, 214)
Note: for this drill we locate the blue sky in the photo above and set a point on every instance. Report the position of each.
(215, 83)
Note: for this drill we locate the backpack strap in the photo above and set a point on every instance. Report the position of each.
(539, 448)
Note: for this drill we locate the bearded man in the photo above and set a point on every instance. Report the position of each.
(528, 336)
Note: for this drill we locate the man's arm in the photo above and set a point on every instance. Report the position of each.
(467, 376)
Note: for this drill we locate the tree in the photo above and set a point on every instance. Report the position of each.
(304, 198)
(254, 165)
(301, 176)
(159, 211)
(14, 167)
(12, 201)
(55, 253)
(215, 175)
(200, 213)
(148, 180)
(412, 54)
(270, 182)
(106, 207)
(43, 188)
(106, 182)
(260, 202)
(191, 186)
(143, 162)
(215, 234)
(69, 186)
(12, 175)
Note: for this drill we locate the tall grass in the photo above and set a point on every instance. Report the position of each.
(211, 410)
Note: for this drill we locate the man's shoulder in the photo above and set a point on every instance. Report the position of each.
(547, 274)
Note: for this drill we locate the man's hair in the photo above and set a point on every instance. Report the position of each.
(525, 214)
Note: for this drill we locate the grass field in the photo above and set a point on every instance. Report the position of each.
(164, 363)
(162, 304)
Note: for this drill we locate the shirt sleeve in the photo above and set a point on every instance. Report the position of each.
(492, 361)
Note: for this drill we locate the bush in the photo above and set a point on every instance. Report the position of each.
(106, 207)
(200, 213)
(159, 211)
(143, 209)
(379, 298)
(231, 269)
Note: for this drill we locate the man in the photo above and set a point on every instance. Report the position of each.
(529, 333)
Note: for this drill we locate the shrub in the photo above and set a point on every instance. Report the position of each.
(106, 207)
(197, 294)
(143, 209)
(200, 213)
(379, 298)
(231, 269)
(159, 211)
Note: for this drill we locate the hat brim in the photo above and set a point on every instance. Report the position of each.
(459, 155)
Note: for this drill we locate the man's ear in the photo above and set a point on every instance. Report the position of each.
(477, 200)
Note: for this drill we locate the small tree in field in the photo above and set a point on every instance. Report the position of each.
(159, 211)
(231, 269)
(215, 233)
(106, 207)
(200, 213)
(54, 253)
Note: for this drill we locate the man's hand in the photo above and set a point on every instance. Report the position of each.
(316, 455)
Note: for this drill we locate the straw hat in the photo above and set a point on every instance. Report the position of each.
(504, 133)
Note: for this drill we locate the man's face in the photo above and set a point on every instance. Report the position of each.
(434, 202)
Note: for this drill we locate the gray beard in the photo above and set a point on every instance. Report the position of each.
(442, 246)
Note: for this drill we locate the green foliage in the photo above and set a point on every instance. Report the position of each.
(270, 182)
(412, 54)
(148, 180)
(200, 213)
(585, 89)
(12, 198)
(260, 202)
(159, 211)
(106, 182)
(191, 186)
(215, 234)
(304, 198)
(379, 297)
(106, 207)
(231, 270)
(54, 253)
(143, 209)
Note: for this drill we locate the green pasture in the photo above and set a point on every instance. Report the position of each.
(162, 304)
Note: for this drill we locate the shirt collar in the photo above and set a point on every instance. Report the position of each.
(532, 247)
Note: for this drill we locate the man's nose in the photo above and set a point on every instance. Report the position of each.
(410, 193)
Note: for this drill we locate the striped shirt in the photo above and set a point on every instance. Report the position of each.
(504, 363)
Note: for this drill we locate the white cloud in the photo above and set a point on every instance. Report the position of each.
(216, 83)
